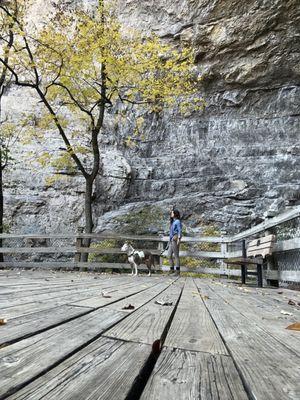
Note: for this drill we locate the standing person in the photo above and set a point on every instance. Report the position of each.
(175, 238)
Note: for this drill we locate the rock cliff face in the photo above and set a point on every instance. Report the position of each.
(226, 165)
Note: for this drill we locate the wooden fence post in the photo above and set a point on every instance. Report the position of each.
(160, 248)
(268, 278)
(78, 244)
(224, 250)
(244, 266)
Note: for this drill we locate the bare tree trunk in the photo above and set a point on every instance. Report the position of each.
(89, 224)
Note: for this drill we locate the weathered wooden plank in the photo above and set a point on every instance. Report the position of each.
(139, 299)
(241, 260)
(269, 297)
(104, 370)
(33, 250)
(206, 270)
(270, 370)
(290, 276)
(30, 324)
(148, 323)
(53, 289)
(69, 249)
(61, 265)
(9, 302)
(286, 245)
(192, 327)
(23, 288)
(181, 374)
(258, 307)
(98, 250)
(263, 241)
(24, 360)
(21, 310)
(32, 307)
(90, 250)
(104, 236)
(110, 296)
(10, 292)
(62, 293)
(183, 253)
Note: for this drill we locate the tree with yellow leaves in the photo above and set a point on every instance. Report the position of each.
(83, 65)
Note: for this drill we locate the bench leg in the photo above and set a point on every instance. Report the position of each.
(244, 273)
(259, 275)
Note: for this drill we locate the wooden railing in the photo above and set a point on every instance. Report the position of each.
(72, 252)
(76, 249)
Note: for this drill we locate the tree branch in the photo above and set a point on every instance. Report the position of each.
(80, 106)
(6, 57)
(61, 130)
(17, 82)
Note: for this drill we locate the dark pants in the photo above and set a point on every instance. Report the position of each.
(173, 254)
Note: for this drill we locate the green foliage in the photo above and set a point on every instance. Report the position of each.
(139, 222)
(8, 137)
(6, 228)
(106, 244)
(197, 275)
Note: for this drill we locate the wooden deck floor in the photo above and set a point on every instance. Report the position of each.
(70, 336)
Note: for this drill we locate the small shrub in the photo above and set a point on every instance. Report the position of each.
(110, 258)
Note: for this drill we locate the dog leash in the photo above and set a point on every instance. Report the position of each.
(168, 245)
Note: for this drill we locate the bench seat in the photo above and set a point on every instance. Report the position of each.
(254, 254)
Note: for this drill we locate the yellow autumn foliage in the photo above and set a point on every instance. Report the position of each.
(83, 64)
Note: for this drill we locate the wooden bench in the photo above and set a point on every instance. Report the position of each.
(254, 255)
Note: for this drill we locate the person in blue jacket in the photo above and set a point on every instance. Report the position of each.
(174, 244)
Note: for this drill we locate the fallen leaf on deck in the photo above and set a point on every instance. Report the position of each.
(129, 307)
(294, 327)
(279, 292)
(285, 312)
(204, 297)
(3, 321)
(292, 303)
(107, 296)
(164, 302)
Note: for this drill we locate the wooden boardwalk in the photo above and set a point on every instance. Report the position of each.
(79, 336)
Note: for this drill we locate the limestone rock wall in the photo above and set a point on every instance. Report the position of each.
(228, 164)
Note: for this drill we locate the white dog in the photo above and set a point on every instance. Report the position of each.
(136, 258)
